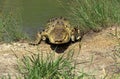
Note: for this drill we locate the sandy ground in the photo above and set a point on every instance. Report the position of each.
(97, 54)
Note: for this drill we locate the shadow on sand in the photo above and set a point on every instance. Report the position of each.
(60, 48)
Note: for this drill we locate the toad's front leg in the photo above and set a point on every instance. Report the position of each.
(38, 39)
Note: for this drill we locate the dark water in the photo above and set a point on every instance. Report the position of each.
(32, 15)
(36, 13)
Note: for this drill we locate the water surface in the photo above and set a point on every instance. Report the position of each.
(36, 13)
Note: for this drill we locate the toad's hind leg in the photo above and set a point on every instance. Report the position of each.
(38, 39)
